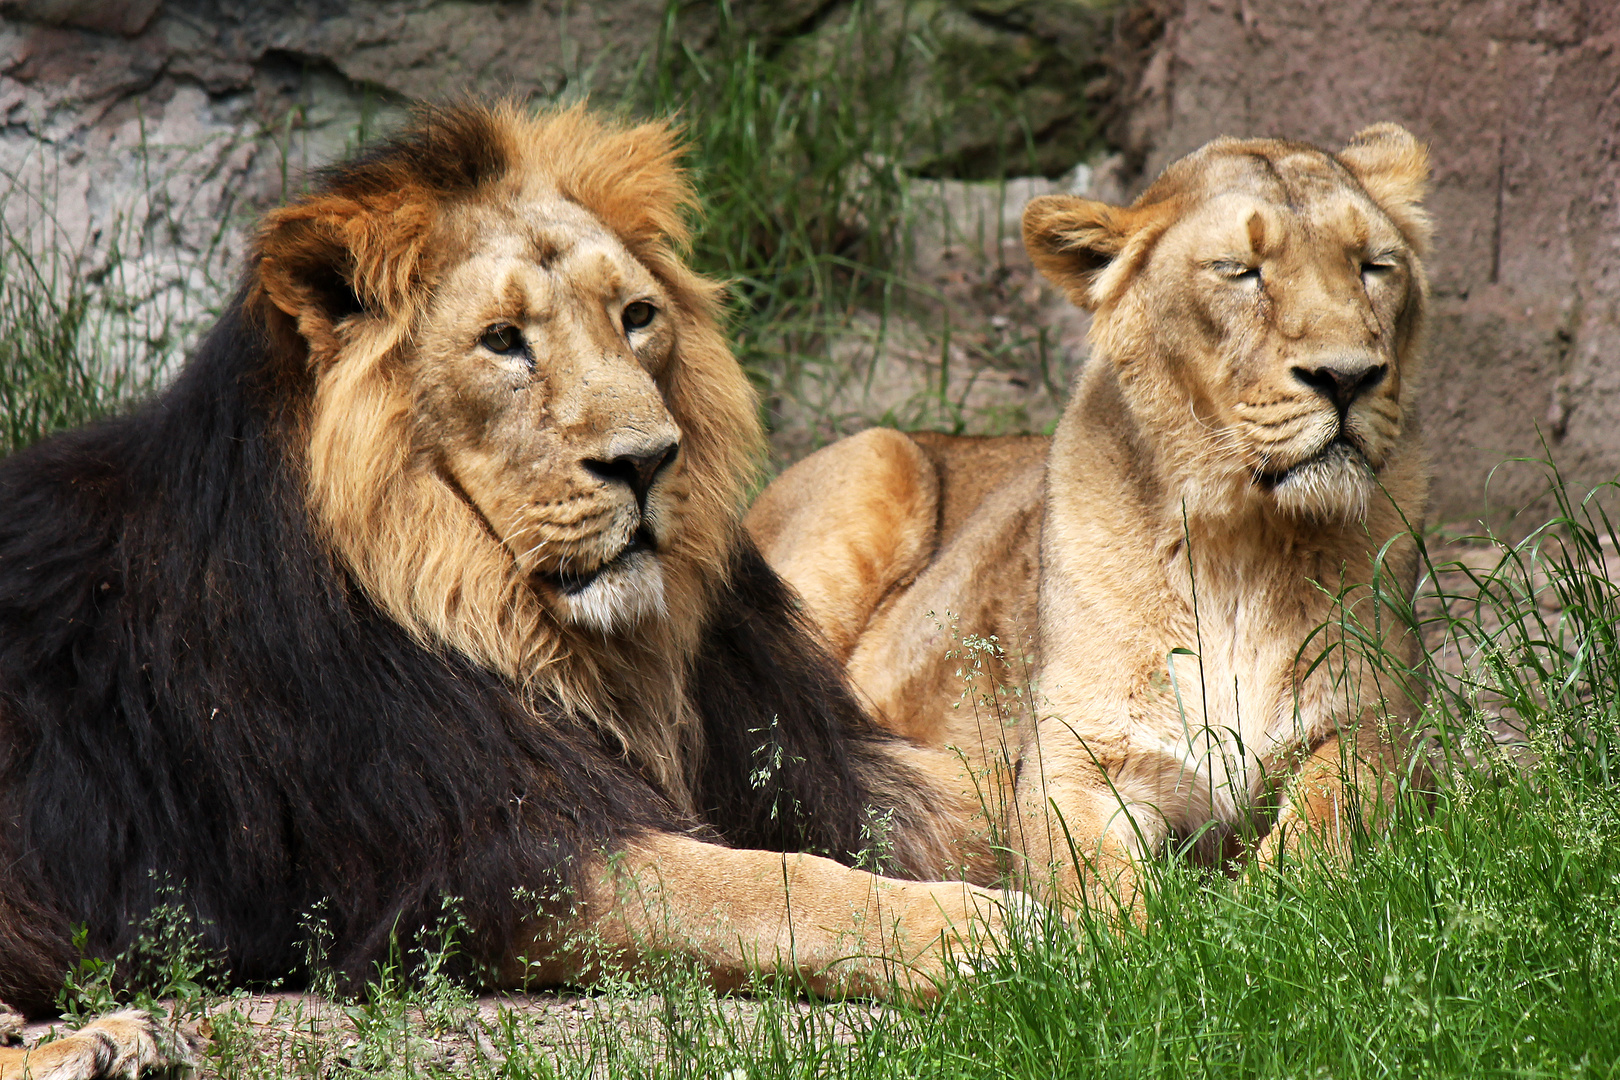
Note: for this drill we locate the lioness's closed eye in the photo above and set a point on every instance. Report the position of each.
(1240, 447)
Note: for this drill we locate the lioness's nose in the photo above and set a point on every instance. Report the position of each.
(1342, 379)
(638, 467)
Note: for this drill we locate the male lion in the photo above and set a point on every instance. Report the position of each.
(1240, 459)
(425, 579)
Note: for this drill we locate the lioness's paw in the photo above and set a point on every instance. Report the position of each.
(122, 1044)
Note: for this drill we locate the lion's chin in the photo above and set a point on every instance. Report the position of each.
(618, 597)
(1334, 484)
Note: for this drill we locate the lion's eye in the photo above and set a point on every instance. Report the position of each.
(504, 339)
(1376, 267)
(637, 314)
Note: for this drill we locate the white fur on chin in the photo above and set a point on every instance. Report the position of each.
(623, 595)
(1338, 486)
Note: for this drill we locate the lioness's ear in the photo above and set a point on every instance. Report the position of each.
(328, 257)
(1091, 249)
(1072, 241)
(1393, 167)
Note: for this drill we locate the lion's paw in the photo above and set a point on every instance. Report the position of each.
(11, 1025)
(997, 918)
(961, 929)
(123, 1044)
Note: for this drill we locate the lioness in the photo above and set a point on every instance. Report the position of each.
(1239, 459)
(425, 579)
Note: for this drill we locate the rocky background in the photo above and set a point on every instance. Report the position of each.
(137, 136)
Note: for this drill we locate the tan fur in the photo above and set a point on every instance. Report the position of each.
(742, 914)
(1197, 516)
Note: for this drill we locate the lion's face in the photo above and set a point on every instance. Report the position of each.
(1262, 295)
(527, 439)
(536, 390)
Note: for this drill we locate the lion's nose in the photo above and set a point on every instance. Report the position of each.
(637, 468)
(1342, 379)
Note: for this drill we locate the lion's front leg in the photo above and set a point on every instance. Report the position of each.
(1345, 786)
(122, 1044)
(1080, 836)
(741, 913)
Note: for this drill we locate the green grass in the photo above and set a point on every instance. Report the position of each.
(83, 333)
(1481, 941)
(804, 202)
(803, 199)
(809, 212)
(52, 374)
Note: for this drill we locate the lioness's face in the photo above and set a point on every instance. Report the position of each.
(537, 388)
(1290, 285)
(1260, 287)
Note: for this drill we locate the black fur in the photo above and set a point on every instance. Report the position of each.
(196, 701)
(792, 760)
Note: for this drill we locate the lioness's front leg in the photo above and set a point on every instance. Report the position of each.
(743, 913)
(1342, 787)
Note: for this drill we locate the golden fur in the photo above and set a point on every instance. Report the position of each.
(1240, 450)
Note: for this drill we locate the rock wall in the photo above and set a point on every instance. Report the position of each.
(138, 138)
(1520, 103)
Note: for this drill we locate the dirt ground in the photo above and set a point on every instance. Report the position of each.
(295, 1034)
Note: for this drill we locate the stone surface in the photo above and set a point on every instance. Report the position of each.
(1520, 103)
(978, 344)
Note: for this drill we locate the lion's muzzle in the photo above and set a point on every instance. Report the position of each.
(572, 582)
(639, 468)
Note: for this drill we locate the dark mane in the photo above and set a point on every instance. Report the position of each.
(197, 704)
(793, 763)
(195, 699)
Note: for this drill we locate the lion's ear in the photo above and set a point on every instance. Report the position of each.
(1393, 167)
(326, 258)
(1073, 241)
